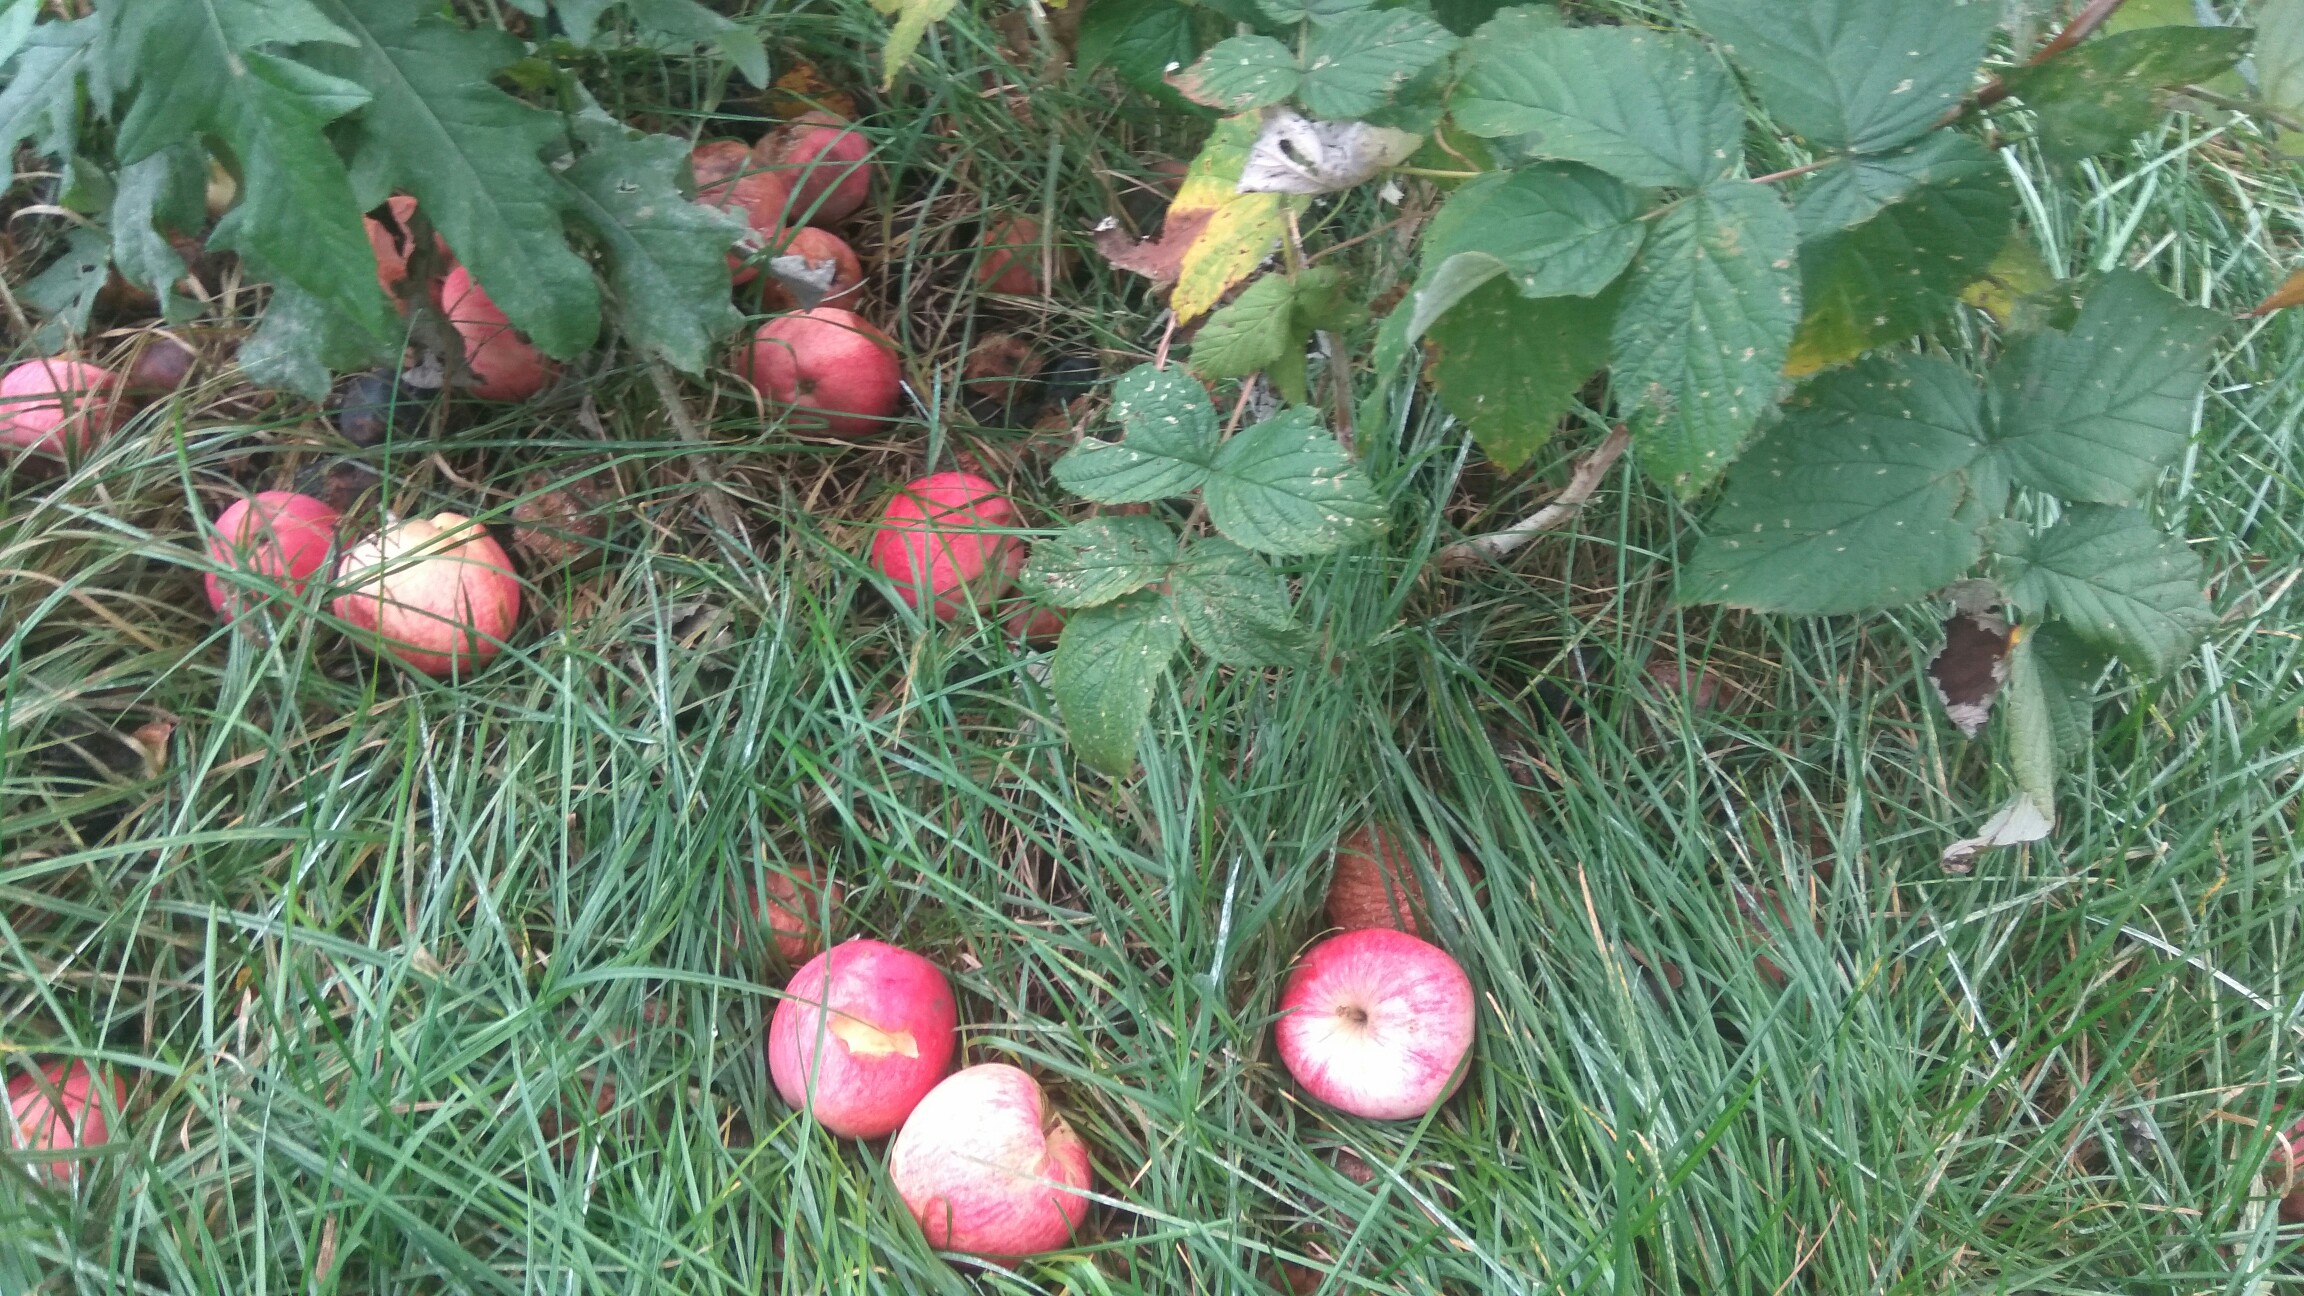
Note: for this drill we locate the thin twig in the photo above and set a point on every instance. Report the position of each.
(716, 501)
(2082, 26)
(1789, 172)
(1581, 483)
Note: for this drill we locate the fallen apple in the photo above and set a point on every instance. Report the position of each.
(1009, 260)
(1376, 1023)
(54, 407)
(792, 904)
(1375, 882)
(438, 593)
(394, 243)
(988, 1168)
(828, 364)
(863, 1031)
(1034, 622)
(505, 366)
(949, 537)
(816, 248)
(60, 1109)
(827, 156)
(280, 536)
(715, 161)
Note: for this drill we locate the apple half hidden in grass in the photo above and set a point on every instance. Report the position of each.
(60, 1109)
(949, 538)
(1375, 1023)
(988, 1168)
(825, 157)
(51, 406)
(505, 365)
(1376, 885)
(438, 593)
(280, 536)
(863, 1031)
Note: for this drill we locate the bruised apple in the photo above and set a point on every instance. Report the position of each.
(825, 156)
(948, 537)
(394, 243)
(60, 1109)
(438, 593)
(988, 1168)
(280, 536)
(505, 366)
(1375, 1022)
(51, 406)
(1375, 883)
(1010, 262)
(864, 1029)
(816, 247)
(827, 364)
(792, 904)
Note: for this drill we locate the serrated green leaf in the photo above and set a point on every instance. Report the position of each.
(1646, 107)
(2118, 582)
(1559, 229)
(1266, 328)
(1168, 442)
(164, 192)
(2068, 667)
(2031, 725)
(1099, 560)
(2098, 96)
(1239, 74)
(1849, 503)
(2096, 413)
(1863, 75)
(667, 256)
(472, 155)
(1851, 191)
(298, 342)
(1900, 271)
(17, 18)
(1352, 65)
(1323, 12)
(1509, 368)
(187, 61)
(1285, 487)
(1234, 606)
(1701, 337)
(41, 101)
(1138, 39)
(64, 293)
(1106, 671)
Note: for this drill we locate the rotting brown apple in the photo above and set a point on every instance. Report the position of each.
(1375, 883)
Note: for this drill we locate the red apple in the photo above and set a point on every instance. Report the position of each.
(505, 366)
(864, 1029)
(829, 364)
(60, 1109)
(792, 905)
(281, 536)
(1374, 1023)
(52, 406)
(395, 244)
(948, 536)
(832, 178)
(1375, 883)
(816, 247)
(715, 160)
(1034, 623)
(437, 593)
(1011, 258)
(988, 1168)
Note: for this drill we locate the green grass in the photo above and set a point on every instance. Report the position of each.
(423, 988)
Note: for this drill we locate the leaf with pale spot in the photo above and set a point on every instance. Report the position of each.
(1647, 107)
(1234, 606)
(1285, 487)
(1850, 191)
(1099, 560)
(1509, 367)
(1240, 73)
(2097, 97)
(1168, 442)
(2118, 582)
(667, 256)
(1863, 75)
(1352, 65)
(1106, 671)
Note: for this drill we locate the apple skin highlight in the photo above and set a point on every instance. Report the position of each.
(988, 1168)
(1375, 1022)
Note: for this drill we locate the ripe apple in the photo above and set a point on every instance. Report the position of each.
(60, 1109)
(987, 1166)
(827, 363)
(1033, 622)
(948, 536)
(1374, 1023)
(713, 161)
(438, 593)
(1010, 262)
(1375, 883)
(279, 535)
(815, 247)
(832, 178)
(864, 1029)
(51, 406)
(792, 903)
(505, 366)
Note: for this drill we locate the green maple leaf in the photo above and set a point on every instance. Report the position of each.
(437, 127)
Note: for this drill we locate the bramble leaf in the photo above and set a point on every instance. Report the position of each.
(1168, 442)
(1252, 333)
(2096, 413)
(1900, 271)
(1558, 229)
(1240, 73)
(1321, 12)
(1700, 340)
(1849, 503)
(1225, 234)
(1285, 487)
(1850, 191)
(2068, 667)
(1644, 106)
(1138, 39)
(1107, 668)
(1863, 75)
(1099, 560)
(1509, 367)
(1234, 606)
(2118, 582)
(2031, 725)
(2098, 96)
(667, 256)
(1353, 64)
(438, 128)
